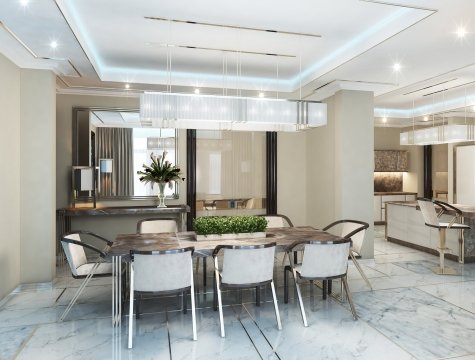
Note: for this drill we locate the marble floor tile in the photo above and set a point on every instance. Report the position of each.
(32, 300)
(12, 340)
(461, 294)
(420, 323)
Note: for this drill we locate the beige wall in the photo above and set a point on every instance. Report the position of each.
(388, 139)
(292, 176)
(38, 175)
(10, 179)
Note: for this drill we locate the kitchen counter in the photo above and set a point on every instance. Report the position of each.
(382, 197)
(405, 226)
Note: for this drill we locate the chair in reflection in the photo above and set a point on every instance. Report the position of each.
(431, 219)
(156, 226)
(81, 268)
(322, 260)
(356, 231)
(161, 272)
(244, 267)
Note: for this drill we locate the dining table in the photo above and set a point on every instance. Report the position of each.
(119, 252)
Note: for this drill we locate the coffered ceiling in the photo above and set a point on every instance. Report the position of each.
(287, 49)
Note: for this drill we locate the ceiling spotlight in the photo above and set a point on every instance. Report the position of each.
(473, 108)
(397, 67)
(197, 91)
(127, 86)
(461, 32)
(261, 94)
(24, 3)
(426, 118)
(384, 120)
(53, 44)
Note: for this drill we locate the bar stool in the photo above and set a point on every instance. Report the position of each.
(431, 219)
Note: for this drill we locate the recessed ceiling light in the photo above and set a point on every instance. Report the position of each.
(461, 32)
(24, 3)
(397, 67)
(473, 108)
(53, 44)
(197, 91)
(127, 86)
(384, 120)
(261, 94)
(426, 118)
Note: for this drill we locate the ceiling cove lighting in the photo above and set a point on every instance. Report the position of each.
(209, 112)
(461, 32)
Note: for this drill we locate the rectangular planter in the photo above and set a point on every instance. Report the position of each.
(255, 235)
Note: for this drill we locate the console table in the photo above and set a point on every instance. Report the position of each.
(64, 216)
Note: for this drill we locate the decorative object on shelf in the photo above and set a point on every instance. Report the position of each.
(209, 112)
(229, 227)
(162, 172)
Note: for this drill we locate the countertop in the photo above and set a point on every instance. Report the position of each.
(467, 210)
(394, 193)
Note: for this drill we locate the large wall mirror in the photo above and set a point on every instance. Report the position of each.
(116, 143)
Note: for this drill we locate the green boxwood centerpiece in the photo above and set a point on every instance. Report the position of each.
(219, 225)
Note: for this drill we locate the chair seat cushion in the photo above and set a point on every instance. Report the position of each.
(103, 268)
(454, 226)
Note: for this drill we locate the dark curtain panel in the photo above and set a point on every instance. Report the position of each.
(116, 144)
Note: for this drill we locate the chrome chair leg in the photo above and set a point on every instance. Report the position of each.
(348, 295)
(276, 307)
(79, 291)
(192, 293)
(299, 294)
(131, 306)
(220, 304)
(360, 270)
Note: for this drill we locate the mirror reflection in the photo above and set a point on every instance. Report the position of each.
(117, 144)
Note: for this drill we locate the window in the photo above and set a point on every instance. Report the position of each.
(148, 141)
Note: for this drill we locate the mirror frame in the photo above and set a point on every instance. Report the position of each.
(75, 156)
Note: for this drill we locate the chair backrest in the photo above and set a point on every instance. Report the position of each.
(74, 253)
(248, 264)
(155, 226)
(157, 271)
(428, 212)
(325, 259)
(250, 203)
(358, 238)
(277, 221)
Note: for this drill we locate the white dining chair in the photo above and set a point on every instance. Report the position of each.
(161, 272)
(356, 231)
(157, 226)
(322, 260)
(244, 267)
(81, 267)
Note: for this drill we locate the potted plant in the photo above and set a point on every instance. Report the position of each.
(229, 227)
(162, 172)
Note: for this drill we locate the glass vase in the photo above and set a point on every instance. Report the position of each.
(161, 194)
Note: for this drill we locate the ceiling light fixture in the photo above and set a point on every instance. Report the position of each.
(384, 120)
(127, 86)
(24, 3)
(53, 44)
(426, 118)
(461, 32)
(261, 94)
(397, 67)
(205, 112)
(197, 91)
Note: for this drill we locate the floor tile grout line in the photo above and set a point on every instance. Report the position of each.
(168, 333)
(24, 342)
(247, 333)
(260, 330)
(445, 301)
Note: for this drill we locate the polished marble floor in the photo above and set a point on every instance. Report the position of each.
(410, 314)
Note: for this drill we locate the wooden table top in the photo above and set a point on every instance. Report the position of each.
(284, 237)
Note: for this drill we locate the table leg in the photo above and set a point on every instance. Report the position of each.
(116, 290)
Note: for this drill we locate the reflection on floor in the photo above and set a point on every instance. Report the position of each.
(411, 314)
